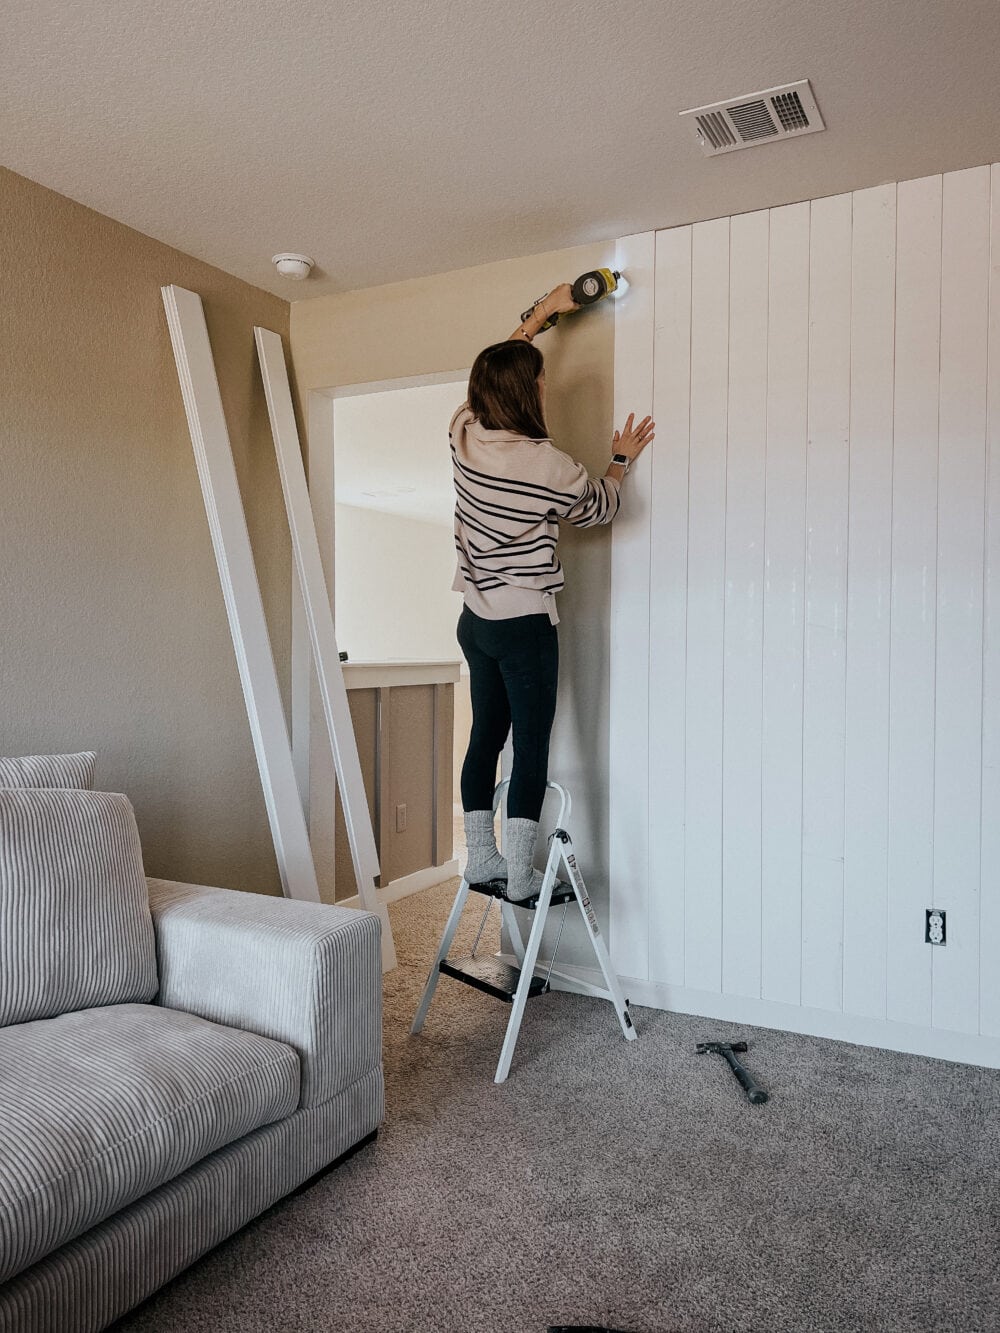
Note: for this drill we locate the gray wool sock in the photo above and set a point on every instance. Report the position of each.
(485, 862)
(523, 880)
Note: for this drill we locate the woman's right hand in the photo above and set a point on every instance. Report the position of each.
(560, 300)
(633, 438)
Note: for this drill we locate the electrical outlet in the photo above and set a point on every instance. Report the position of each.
(400, 818)
(934, 929)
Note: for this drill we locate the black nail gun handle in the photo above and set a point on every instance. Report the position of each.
(552, 320)
(755, 1093)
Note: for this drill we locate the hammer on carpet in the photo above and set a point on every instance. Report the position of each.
(755, 1093)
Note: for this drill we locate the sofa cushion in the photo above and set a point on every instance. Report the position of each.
(49, 770)
(75, 926)
(101, 1106)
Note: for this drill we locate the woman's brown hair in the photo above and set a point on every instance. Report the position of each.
(503, 389)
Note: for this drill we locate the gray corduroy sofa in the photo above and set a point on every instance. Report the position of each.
(173, 1058)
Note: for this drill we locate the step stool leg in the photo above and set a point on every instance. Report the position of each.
(528, 965)
(600, 951)
(442, 953)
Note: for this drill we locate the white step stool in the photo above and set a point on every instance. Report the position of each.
(516, 985)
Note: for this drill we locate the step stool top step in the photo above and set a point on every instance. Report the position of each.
(497, 888)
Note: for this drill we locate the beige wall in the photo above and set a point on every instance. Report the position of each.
(439, 323)
(113, 633)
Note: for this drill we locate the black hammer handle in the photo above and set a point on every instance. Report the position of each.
(755, 1093)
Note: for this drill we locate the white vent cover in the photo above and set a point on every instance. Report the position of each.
(744, 122)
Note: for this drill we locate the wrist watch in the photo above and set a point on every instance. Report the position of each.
(622, 460)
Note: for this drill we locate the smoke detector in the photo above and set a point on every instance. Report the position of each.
(292, 266)
(757, 118)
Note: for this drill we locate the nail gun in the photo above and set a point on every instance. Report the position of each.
(587, 290)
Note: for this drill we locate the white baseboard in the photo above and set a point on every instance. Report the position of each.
(963, 1047)
(407, 884)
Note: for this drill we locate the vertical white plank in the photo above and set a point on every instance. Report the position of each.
(913, 617)
(784, 571)
(669, 455)
(990, 869)
(240, 589)
(824, 676)
(629, 669)
(744, 604)
(866, 785)
(965, 259)
(706, 604)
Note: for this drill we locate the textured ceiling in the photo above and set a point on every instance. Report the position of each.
(391, 140)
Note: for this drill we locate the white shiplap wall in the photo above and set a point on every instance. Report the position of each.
(805, 742)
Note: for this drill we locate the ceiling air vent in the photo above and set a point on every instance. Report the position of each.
(742, 122)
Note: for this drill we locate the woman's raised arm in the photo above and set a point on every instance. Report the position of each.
(559, 301)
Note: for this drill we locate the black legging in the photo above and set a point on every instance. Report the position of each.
(514, 669)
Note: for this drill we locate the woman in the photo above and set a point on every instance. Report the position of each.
(512, 486)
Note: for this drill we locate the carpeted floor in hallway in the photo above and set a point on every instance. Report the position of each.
(629, 1185)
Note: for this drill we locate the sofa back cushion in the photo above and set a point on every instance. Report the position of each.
(49, 770)
(75, 925)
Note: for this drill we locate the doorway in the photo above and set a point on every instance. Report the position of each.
(394, 610)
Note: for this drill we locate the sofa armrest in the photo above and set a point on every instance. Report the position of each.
(307, 974)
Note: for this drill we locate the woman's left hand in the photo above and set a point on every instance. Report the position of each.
(633, 438)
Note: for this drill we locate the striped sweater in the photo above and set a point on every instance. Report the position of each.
(510, 493)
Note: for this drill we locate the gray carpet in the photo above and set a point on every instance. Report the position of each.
(626, 1185)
